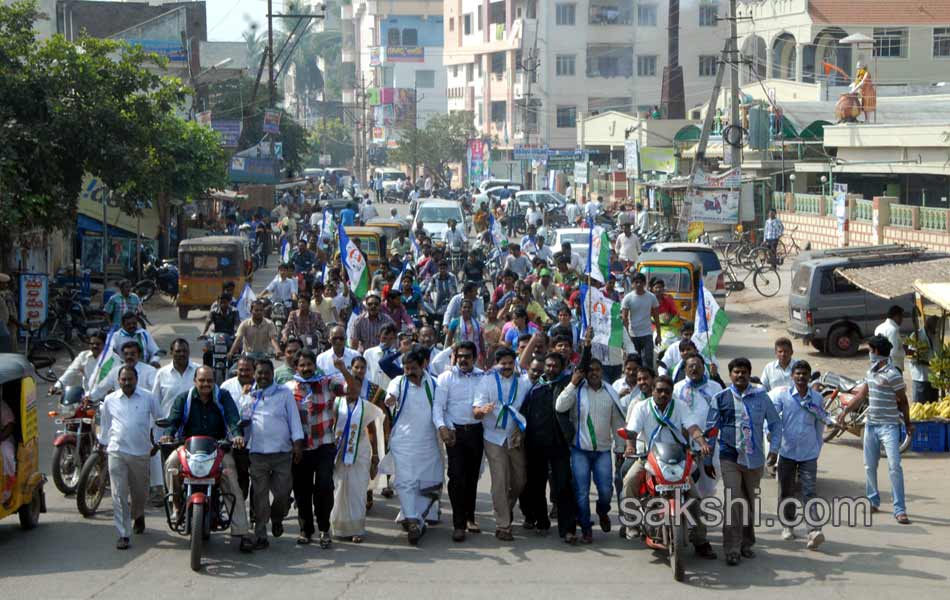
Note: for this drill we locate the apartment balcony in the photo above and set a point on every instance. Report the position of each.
(346, 12)
(610, 61)
(611, 12)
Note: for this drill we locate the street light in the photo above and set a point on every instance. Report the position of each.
(824, 180)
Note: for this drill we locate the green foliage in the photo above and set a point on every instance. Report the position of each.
(940, 369)
(442, 141)
(331, 137)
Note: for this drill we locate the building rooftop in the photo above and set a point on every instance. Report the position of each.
(879, 12)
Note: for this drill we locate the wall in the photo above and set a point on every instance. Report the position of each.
(429, 28)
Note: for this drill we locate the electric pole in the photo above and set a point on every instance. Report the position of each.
(529, 66)
(271, 84)
(734, 61)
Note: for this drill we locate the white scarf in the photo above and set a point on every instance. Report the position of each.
(745, 436)
(586, 436)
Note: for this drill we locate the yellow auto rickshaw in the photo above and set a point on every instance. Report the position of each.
(21, 483)
(205, 264)
(372, 242)
(680, 273)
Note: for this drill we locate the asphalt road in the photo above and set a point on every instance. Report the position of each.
(68, 556)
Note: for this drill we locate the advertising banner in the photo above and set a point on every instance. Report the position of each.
(660, 160)
(405, 54)
(271, 121)
(714, 206)
(631, 158)
(580, 173)
(34, 299)
(479, 160)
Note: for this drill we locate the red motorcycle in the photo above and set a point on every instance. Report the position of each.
(203, 506)
(671, 470)
(75, 441)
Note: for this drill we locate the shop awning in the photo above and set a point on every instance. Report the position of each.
(713, 150)
(88, 224)
(893, 281)
(937, 292)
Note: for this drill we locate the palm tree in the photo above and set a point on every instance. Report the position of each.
(254, 42)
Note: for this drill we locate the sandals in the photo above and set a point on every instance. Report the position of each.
(415, 533)
(303, 539)
(504, 534)
(732, 559)
(325, 539)
(357, 539)
(903, 519)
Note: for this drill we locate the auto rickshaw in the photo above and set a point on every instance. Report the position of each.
(205, 264)
(373, 242)
(681, 273)
(21, 483)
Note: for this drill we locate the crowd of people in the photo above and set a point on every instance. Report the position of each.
(499, 369)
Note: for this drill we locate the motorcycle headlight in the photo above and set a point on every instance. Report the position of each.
(672, 472)
(200, 464)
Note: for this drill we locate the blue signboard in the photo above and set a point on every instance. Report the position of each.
(170, 49)
(230, 130)
(245, 169)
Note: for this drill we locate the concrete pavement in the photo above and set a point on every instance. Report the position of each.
(71, 557)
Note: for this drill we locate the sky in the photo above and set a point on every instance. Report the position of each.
(227, 19)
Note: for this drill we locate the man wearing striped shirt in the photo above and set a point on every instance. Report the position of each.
(885, 391)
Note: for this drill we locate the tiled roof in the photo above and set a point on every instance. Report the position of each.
(880, 12)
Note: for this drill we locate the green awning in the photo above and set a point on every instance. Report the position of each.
(690, 133)
(815, 131)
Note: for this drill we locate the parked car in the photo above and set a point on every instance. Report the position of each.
(435, 214)
(578, 238)
(498, 183)
(713, 277)
(831, 313)
(392, 178)
(542, 199)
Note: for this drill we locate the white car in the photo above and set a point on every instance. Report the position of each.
(713, 277)
(435, 214)
(498, 183)
(578, 238)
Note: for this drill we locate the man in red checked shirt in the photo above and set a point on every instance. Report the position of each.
(394, 309)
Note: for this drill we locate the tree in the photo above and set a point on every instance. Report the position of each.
(442, 141)
(331, 137)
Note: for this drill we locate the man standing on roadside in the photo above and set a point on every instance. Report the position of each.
(773, 233)
(640, 313)
(778, 373)
(891, 329)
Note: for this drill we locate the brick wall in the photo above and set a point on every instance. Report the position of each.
(821, 232)
(934, 240)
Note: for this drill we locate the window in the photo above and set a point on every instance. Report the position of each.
(469, 73)
(410, 37)
(890, 42)
(646, 15)
(387, 76)
(566, 117)
(451, 23)
(707, 65)
(565, 14)
(941, 42)
(499, 111)
(498, 62)
(531, 9)
(479, 19)
(646, 65)
(455, 70)
(425, 79)
(708, 14)
(467, 24)
(392, 37)
(564, 65)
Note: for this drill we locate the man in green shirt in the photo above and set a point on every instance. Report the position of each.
(208, 410)
(285, 372)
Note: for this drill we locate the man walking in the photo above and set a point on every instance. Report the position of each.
(126, 421)
(778, 373)
(891, 329)
(739, 412)
(123, 302)
(773, 233)
(640, 313)
(627, 246)
(462, 435)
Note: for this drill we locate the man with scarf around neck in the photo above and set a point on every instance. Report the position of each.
(313, 474)
(131, 332)
(414, 445)
(548, 454)
(739, 413)
(239, 386)
(131, 357)
(500, 395)
(886, 396)
(595, 413)
(357, 457)
(803, 419)
(275, 441)
(462, 434)
(628, 393)
(208, 410)
(663, 419)
(696, 391)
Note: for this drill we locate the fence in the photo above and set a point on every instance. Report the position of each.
(863, 211)
(933, 219)
(902, 215)
(807, 203)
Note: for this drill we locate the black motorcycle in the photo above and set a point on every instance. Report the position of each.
(162, 278)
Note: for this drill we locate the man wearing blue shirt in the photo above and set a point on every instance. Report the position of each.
(347, 217)
(803, 420)
(739, 412)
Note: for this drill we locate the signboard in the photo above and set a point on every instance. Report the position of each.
(479, 160)
(278, 150)
(204, 118)
(714, 206)
(373, 96)
(405, 54)
(580, 173)
(522, 152)
(659, 160)
(34, 299)
(230, 130)
(325, 160)
(404, 108)
(245, 169)
(170, 49)
(376, 56)
(94, 193)
(271, 121)
(631, 158)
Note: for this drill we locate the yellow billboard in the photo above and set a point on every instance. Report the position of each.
(90, 204)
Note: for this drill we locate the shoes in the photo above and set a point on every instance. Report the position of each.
(903, 519)
(528, 524)
(587, 537)
(473, 527)
(247, 544)
(261, 543)
(325, 539)
(304, 538)
(139, 525)
(387, 492)
(747, 553)
(458, 535)
(415, 534)
(122, 543)
(732, 559)
(504, 534)
(277, 528)
(605, 523)
(705, 551)
(788, 533)
(570, 538)
(156, 496)
(815, 539)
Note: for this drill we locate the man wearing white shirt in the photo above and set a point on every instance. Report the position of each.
(414, 446)
(499, 396)
(337, 349)
(127, 416)
(387, 339)
(574, 259)
(283, 288)
(131, 332)
(462, 434)
(131, 353)
(641, 218)
(628, 394)
(593, 208)
(275, 442)
(696, 391)
(627, 246)
(778, 373)
(453, 237)
(533, 218)
(176, 377)
(891, 329)
(239, 386)
(83, 368)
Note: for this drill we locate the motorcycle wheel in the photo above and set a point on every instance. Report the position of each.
(833, 408)
(66, 467)
(197, 535)
(91, 487)
(677, 551)
(145, 289)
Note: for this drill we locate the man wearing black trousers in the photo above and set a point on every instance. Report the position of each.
(548, 453)
(462, 435)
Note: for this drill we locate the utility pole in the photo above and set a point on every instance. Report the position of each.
(529, 65)
(734, 59)
(271, 84)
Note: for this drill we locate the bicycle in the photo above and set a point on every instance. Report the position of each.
(44, 354)
(788, 246)
(765, 279)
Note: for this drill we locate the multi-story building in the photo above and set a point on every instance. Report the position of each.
(530, 69)
(392, 59)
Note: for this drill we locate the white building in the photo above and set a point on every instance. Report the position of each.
(531, 69)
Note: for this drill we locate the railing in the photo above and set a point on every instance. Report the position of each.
(807, 203)
(610, 15)
(778, 200)
(863, 211)
(830, 206)
(933, 219)
(902, 216)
